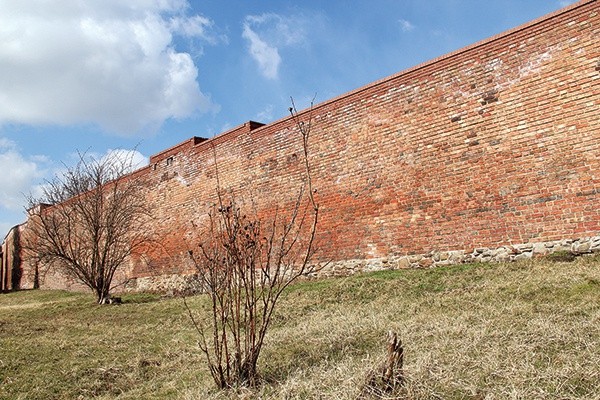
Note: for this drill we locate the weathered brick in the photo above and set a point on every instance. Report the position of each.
(489, 146)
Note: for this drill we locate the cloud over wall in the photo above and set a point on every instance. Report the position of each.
(266, 34)
(18, 173)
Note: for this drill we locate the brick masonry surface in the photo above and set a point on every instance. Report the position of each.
(489, 153)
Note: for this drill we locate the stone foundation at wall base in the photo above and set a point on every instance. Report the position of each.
(176, 284)
(432, 259)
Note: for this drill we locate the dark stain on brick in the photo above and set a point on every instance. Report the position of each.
(491, 96)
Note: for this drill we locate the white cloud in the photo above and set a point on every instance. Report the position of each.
(266, 34)
(564, 3)
(266, 56)
(406, 25)
(122, 160)
(195, 26)
(111, 63)
(19, 174)
(133, 159)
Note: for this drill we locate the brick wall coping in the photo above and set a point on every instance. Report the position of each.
(252, 126)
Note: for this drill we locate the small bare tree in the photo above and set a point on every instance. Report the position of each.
(244, 265)
(88, 221)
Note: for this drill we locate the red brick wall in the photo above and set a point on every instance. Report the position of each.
(495, 144)
(491, 145)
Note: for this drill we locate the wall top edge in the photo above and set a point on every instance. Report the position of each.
(196, 140)
(253, 125)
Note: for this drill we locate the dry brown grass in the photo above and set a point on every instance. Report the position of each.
(504, 331)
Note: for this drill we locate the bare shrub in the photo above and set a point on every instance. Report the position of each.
(88, 222)
(244, 265)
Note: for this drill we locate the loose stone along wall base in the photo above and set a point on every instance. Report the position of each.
(507, 253)
(181, 284)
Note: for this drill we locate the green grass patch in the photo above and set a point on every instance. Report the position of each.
(560, 256)
(520, 330)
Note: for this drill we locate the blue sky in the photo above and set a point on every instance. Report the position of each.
(105, 75)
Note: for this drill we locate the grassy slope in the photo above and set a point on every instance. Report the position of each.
(522, 331)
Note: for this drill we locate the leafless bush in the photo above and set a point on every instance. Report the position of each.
(88, 222)
(244, 265)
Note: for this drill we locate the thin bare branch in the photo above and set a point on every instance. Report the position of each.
(87, 222)
(245, 263)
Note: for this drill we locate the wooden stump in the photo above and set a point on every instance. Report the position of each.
(393, 375)
(389, 376)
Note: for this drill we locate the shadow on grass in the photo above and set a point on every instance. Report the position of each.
(305, 354)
